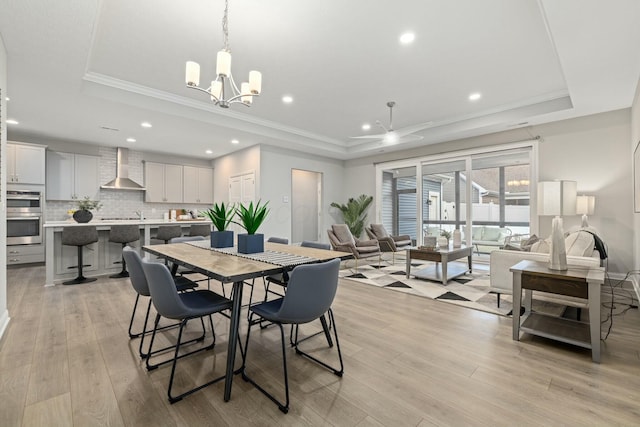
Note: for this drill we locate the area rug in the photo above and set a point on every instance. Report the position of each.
(470, 290)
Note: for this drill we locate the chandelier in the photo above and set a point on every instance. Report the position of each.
(223, 89)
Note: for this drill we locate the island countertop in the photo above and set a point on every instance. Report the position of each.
(110, 222)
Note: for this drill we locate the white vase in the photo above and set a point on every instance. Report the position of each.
(443, 242)
(558, 255)
(457, 238)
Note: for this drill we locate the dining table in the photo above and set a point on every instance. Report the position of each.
(228, 266)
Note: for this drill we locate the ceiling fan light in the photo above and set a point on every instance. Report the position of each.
(223, 63)
(255, 82)
(391, 138)
(192, 73)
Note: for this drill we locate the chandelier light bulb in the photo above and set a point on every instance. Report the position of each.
(192, 74)
(255, 82)
(223, 64)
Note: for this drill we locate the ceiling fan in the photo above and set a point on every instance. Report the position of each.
(392, 136)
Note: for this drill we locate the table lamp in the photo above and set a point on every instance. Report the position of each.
(585, 205)
(557, 198)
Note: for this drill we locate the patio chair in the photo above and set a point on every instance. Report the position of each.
(387, 242)
(342, 240)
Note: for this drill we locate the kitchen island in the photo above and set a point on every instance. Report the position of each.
(102, 257)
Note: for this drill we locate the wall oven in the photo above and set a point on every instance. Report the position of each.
(24, 217)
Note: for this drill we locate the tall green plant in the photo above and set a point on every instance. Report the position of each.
(221, 215)
(251, 217)
(354, 213)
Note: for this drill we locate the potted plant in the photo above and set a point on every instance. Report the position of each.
(354, 213)
(221, 216)
(83, 213)
(443, 240)
(251, 217)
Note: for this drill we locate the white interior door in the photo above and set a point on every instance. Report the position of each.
(306, 192)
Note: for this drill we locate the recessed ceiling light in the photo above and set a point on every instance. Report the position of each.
(287, 99)
(7, 99)
(131, 140)
(235, 141)
(407, 38)
(12, 122)
(366, 126)
(209, 152)
(145, 124)
(475, 96)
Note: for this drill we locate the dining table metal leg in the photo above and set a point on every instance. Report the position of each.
(233, 338)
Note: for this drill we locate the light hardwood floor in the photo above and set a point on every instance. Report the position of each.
(66, 360)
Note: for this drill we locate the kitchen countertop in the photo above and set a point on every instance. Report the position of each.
(109, 222)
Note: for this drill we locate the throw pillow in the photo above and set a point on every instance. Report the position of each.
(579, 244)
(541, 246)
(528, 243)
(343, 234)
(379, 231)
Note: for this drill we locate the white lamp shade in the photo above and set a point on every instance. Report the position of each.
(255, 82)
(223, 63)
(216, 90)
(585, 205)
(192, 73)
(557, 198)
(244, 90)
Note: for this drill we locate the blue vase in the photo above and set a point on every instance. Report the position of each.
(250, 243)
(222, 239)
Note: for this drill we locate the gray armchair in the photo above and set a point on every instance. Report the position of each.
(342, 240)
(388, 243)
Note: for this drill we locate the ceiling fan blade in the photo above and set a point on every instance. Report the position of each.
(378, 136)
(412, 129)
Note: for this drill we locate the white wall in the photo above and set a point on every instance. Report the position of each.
(634, 140)
(4, 313)
(593, 150)
(276, 186)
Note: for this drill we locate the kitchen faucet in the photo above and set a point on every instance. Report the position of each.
(140, 214)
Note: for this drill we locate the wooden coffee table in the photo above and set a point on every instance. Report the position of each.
(441, 271)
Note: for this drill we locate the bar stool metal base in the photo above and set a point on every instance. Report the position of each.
(119, 275)
(80, 280)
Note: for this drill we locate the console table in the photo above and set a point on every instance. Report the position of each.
(580, 282)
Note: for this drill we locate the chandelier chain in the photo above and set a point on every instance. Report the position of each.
(225, 26)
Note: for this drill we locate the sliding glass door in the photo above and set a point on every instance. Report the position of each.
(484, 194)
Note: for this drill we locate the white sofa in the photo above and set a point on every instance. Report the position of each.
(501, 279)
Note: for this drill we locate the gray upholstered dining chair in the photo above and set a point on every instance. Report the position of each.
(310, 292)
(140, 285)
(182, 307)
(265, 281)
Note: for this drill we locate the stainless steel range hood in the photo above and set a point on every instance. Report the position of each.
(122, 181)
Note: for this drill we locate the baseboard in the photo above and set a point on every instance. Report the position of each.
(4, 322)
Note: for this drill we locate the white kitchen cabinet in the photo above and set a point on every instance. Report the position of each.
(198, 185)
(25, 164)
(72, 176)
(163, 183)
